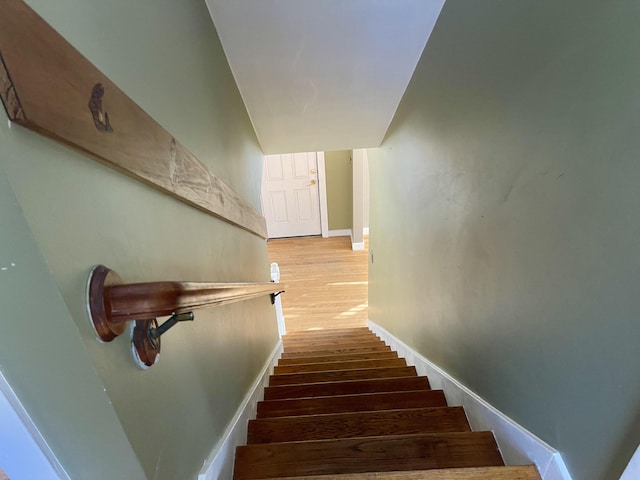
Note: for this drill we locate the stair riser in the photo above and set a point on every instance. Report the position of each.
(348, 365)
(316, 346)
(347, 388)
(336, 351)
(351, 403)
(338, 358)
(341, 375)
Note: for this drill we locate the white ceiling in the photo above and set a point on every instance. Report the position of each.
(322, 74)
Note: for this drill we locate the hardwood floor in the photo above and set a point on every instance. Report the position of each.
(327, 282)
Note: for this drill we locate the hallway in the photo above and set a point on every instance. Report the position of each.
(327, 282)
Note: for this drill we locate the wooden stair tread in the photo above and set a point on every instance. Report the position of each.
(337, 334)
(344, 365)
(327, 331)
(520, 472)
(330, 337)
(349, 387)
(336, 351)
(367, 454)
(351, 403)
(337, 358)
(358, 424)
(331, 345)
(333, 332)
(341, 375)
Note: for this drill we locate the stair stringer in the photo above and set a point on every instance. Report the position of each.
(517, 445)
(219, 464)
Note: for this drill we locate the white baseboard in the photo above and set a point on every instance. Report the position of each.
(25, 452)
(518, 446)
(219, 463)
(340, 233)
(357, 246)
(632, 472)
(348, 233)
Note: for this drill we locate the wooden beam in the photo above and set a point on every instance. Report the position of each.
(46, 85)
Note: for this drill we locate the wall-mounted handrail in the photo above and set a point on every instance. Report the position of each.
(111, 304)
(144, 301)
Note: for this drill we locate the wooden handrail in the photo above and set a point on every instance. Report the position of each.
(145, 301)
(111, 304)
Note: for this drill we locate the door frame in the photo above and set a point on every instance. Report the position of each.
(360, 188)
(322, 193)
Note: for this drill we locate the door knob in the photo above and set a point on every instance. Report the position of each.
(313, 182)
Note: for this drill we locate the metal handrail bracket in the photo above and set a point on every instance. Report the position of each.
(111, 304)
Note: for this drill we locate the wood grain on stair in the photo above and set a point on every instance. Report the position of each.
(342, 335)
(328, 332)
(351, 403)
(330, 335)
(378, 454)
(337, 351)
(376, 385)
(346, 365)
(521, 472)
(332, 345)
(358, 424)
(341, 375)
(326, 344)
(338, 358)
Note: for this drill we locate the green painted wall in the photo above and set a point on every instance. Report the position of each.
(103, 416)
(505, 218)
(339, 189)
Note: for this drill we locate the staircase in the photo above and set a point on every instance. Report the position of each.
(342, 405)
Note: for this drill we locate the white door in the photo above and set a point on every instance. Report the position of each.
(290, 197)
